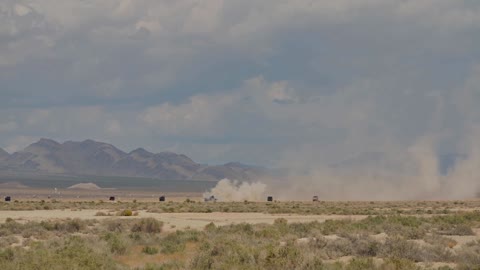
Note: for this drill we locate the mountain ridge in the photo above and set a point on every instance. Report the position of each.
(90, 157)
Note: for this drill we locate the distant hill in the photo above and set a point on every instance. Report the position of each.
(102, 159)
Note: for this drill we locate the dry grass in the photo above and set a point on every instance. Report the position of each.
(108, 241)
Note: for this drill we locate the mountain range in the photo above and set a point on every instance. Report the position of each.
(48, 157)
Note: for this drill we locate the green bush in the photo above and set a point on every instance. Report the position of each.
(125, 213)
(150, 250)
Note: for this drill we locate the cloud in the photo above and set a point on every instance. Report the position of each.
(8, 126)
(301, 82)
(201, 115)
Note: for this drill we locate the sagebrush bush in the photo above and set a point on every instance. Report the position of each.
(73, 253)
(150, 250)
(339, 248)
(469, 256)
(117, 243)
(115, 225)
(176, 242)
(147, 225)
(400, 248)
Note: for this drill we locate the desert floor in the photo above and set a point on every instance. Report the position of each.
(336, 234)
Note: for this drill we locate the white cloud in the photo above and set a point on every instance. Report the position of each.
(329, 77)
(200, 115)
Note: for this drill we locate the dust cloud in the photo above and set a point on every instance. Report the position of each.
(414, 175)
(228, 190)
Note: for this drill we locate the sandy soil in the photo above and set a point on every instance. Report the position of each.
(172, 221)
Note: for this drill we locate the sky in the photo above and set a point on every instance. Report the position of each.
(261, 82)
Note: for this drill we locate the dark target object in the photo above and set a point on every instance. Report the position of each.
(162, 198)
(270, 199)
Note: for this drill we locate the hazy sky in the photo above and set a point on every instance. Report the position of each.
(240, 80)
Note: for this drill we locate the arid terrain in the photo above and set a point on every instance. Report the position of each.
(82, 228)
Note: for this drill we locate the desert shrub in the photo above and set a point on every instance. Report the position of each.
(360, 264)
(437, 254)
(202, 261)
(100, 214)
(11, 227)
(313, 263)
(318, 242)
(284, 257)
(469, 256)
(400, 248)
(210, 227)
(147, 225)
(171, 245)
(115, 225)
(339, 248)
(7, 255)
(73, 253)
(301, 229)
(363, 245)
(445, 267)
(74, 225)
(331, 226)
(280, 222)
(459, 230)
(71, 226)
(150, 250)
(175, 265)
(125, 213)
(8, 241)
(399, 264)
(241, 228)
(437, 240)
(176, 242)
(269, 232)
(228, 252)
(116, 243)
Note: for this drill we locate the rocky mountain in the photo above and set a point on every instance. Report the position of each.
(102, 159)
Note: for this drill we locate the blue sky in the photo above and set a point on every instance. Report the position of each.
(261, 82)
